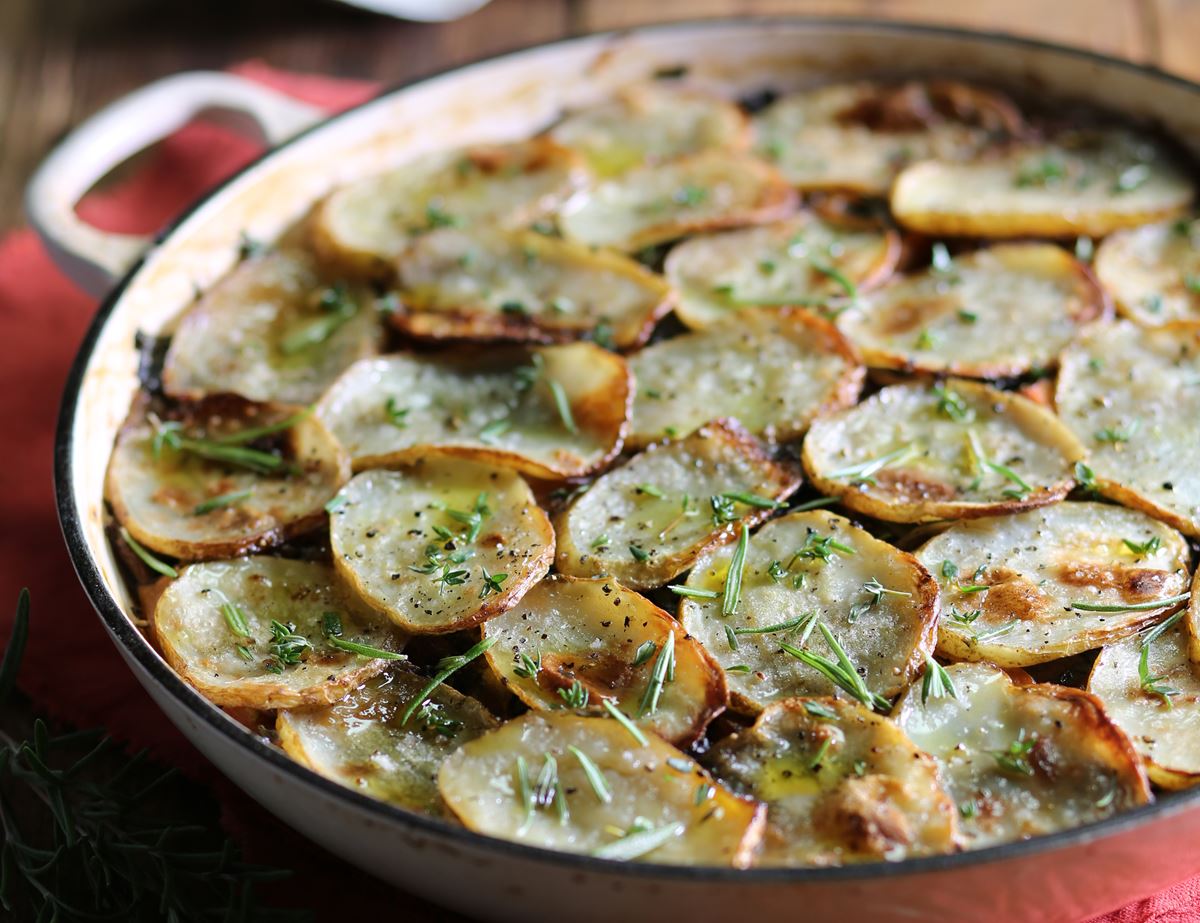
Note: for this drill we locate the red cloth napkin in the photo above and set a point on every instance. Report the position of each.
(71, 670)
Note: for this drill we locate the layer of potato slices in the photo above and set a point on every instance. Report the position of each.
(804, 261)
(1083, 182)
(590, 785)
(222, 477)
(771, 370)
(476, 284)
(649, 123)
(958, 450)
(797, 571)
(1153, 271)
(649, 519)
(993, 313)
(442, 545)
(262, 632)
(552, 412)
(372, 742)
(271, 330)
(363, 227)
(1048, 583)
(857, 136)
(1021, 760)
(1131, 396)
(841, 784)
(654, 204)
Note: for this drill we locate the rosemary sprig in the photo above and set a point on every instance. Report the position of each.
(594, 776)
(1130, 607)
(220, 502)
(575, 696)
(863, 473)
(332, 623)
(806, 621)
(159, 567)
(733, 580)
(663, 672)
(339, 307)
(169, 434)
(692, 592)
(841, 672)
(251, 433)
(625, 721)
(1151, 684)
(936, 682)
(445, 667)
(638, 843)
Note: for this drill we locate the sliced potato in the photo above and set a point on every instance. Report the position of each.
(916, 453)
(649, 123)
(1092, 182)
(1022, 760)
(443, 545)
(529, 781)
(499, 406)
(478, 284)
(1132, 396)
(185, 503)
(994, 313)
(271, 331)
(841, 785)
(802, 261)
(651, 205)
(648, 520)
(857, 136)
(216, 626)
(1034, 567)
(1153, 271)
(364, 743)
(605, 642)
(804, 568)
(773, 371)
(363, 227)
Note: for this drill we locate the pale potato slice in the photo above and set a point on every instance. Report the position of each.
(218, 495)
(1036, 566)
(580, 642)
(857, 136)
(655, 204)
(650, 123)
(499, 406)
(803, 261)
(364, 743)
(479, 284)
(442, 545)
(1132, 396)
(1090, 182)
(842, 785)
(271, 330)
(919, 452)
(363, 227)
(648, 520)
(804, 568)
(1022, 760)
(587, 785)
(216, 626)
(994, 313)
(771, 370)
(1153, 272)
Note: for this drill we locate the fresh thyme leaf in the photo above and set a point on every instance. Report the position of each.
(722, 510)
(595, 777)
(220, 502)
(738, 668)
(949, 570)
(1086, 478)
(704, 791)
(952, 405)
(396, 415)
(625, 721)
(492, 583)
(965, 617)
(445, 668)
(159, 567)
(1015, 758)
(229, 452)
(650, 490)
(936, 681)
(692, 592)
(664, 670)
(690, 195)
(287, 646)
(637, 844)
(967, 317)
(1116, 435)
(819, 547)
(1141, 549)
(438, 217)
(733, 580)
(927, 339)
(639, 554)
(601, 541)
(1044, 171)
(876, 590)
(528, 667)
(1130, 607)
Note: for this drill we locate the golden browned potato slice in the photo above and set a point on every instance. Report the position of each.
(1022, 760)
(1048, 583)
(651, 205)
(857, 136)
(577, 643)
(841, 785)
(553, 412)
(442, 545)
(649, 123)
(994, 313)
(772, 370)
(798, 570)
(222, 477)
(364, 743)
(363, 227)
(1092, 182)
(588, 785)
(486, 284)
(648, 520)
(271, 330)
(1153, 272)
(263, 632)
(1131, 395)
(919, 452)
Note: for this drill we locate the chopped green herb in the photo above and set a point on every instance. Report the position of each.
(1015, 758)
(733, 580)
(235, 618)
(864, 471)
(593, 774)
(820, 710)
(1086, 478)
(1149, 546)
(495, 429)
(640, 555)
(601, 541)
(952, 405)
(814, 504)
(527, 667)
(936, 681)
(492, 584)
(1151, 684)
(690, 195)
(575, 696)
(644, 652)
(287, 646)
(967, 317)
(395, 413)
(949, 570)
(1115, 436)
(625, 721)
(692, 592)
(650, 490)
(1131, 607)
(664, 670)
(233, 498)
(799, 621)
(338, 307)
(159, 567)
(637, 844)
(445, 668)
(841, 672)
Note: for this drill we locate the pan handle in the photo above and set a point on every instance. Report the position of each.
(96, 259)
